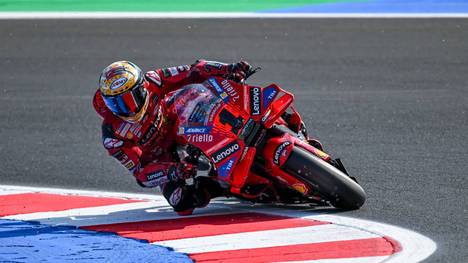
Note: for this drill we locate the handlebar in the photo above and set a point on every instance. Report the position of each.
(250, 73)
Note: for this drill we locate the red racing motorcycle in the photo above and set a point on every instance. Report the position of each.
(237, 133)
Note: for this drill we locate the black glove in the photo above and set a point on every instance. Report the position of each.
(238, 71)
(181, 172)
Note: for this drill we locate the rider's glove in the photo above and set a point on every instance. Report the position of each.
(238, 71)
(181, 172)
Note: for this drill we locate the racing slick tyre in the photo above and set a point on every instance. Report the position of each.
(335, 186)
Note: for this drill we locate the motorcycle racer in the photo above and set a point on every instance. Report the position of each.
(137, 132)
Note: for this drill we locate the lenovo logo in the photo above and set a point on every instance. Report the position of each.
(279, 151)
(255, 101)
(225, 152)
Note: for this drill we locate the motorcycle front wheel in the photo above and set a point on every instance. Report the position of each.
(335, 186)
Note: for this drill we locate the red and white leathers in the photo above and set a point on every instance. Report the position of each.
(146, 148)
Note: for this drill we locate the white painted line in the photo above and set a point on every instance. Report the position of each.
(268, 238)
(85, 213)
(196, 15)
(345, 260)
(114, 214)
(154, 207)
(82, 192)
(12, 192)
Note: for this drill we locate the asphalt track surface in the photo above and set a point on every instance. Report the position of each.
(390, 97)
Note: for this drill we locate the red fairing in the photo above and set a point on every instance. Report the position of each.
(277, 150)
(276, 153)
(209, 116)
(242, 172)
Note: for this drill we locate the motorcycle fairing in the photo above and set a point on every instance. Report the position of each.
(269, 93)
(209, 118)
(276, 152)
(214, 115)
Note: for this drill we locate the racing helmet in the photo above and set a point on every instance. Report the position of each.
(122, 88)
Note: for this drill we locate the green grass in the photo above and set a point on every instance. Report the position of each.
(154, 6)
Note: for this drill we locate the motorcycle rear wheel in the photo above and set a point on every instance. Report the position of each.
(335, 186)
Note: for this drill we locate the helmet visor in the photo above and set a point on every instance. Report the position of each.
(127, 104)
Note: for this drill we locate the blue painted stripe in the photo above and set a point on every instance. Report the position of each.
(33, 242)
(382, 6)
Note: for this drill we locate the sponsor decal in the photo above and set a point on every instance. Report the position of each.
(301, 188)
(221, 93)
(110, 143)
(166, 73)
(247, 128)
(225, 152)
(280, 150)
(230, 90)
(172, 174)
(124, 160)
(197, 115)
(181, 131)
(255, 98)
(194, 138)
(210, 65)
(123, 129)
(149, 134)
(321, 154)
(173, 71)
(194, 130)
(226, 168)
(155, 175)
(265, 117)
(118, 83)
(121, 156)
(183, 68)
(113, 71)
(153, 77)
(269, 94)
(157, 110)
(213, 112)
(156, 179)
(129, 165)
(153, 128)
(175, 197)
(244, 152)
(135, 129)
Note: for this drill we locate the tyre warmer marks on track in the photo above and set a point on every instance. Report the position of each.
(222, 232)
